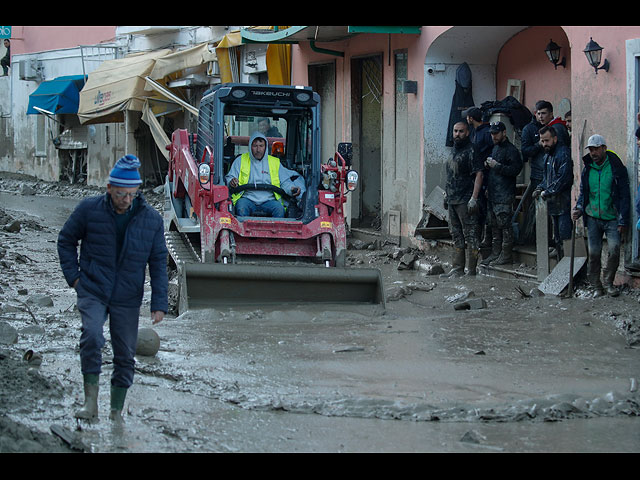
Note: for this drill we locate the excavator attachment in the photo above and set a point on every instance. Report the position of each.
(208, 285)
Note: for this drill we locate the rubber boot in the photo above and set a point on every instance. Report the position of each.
(90, 408)
(496, 246)
(593, 274)
(118, 394)
(472, 269)
(609, 275)
(506, 255)
(457, 264)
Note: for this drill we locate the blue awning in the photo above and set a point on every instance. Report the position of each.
(60, 95)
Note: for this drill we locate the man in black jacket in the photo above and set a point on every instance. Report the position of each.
(482, 146)
(464, 180)
(504, 165)
(555, 187)
(605, 202)
(532, 151)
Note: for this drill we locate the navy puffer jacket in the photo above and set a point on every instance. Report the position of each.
(115, 281)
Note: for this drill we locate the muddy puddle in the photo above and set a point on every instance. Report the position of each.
(515, 372)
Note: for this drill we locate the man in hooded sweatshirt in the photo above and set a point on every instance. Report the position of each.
(119, 234)
(257, 167)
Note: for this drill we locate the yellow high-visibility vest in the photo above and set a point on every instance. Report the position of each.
(245, 170)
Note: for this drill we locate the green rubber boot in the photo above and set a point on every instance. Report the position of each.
(118, 394)
(89, 410)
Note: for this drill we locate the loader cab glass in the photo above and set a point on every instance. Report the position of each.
(288, 117)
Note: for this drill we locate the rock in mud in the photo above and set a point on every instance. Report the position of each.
(471, 304)
(13, 227)
(407, 260)
(148, 342)
(428, 268)
(8, 334)
(40, 300)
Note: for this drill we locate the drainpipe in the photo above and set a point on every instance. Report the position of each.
(336, 53)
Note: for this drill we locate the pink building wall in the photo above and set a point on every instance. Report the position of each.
(523, 58)
(29, 39)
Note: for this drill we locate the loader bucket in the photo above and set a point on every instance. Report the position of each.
(207, 285)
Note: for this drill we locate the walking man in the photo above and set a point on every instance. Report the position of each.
(464, 181)
(504, 165)
(119, 235)
(605, 203)
(555, 187)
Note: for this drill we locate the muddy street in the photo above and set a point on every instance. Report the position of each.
(515, 372)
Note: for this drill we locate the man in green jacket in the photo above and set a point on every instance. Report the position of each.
(605, 202)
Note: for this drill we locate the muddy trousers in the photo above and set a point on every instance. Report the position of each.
(502, 235)
(596, 228)
(123, 327)
(465, 231)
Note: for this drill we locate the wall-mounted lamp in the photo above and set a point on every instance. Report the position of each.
(593, 51)
(553, 52)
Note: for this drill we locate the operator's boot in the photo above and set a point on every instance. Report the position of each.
(496, 246)
(458, 261)
(609, 275)
(118, 394)
(89, 410)
(473, 262)
(593, 274)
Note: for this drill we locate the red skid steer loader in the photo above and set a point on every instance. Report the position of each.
(226, 259)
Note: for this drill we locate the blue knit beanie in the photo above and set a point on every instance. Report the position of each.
(125, 172)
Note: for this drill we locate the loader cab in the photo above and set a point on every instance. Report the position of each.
(288, 116)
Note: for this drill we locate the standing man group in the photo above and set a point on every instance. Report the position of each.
(119, 235)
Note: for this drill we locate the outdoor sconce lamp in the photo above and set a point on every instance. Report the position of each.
(593, 51)
(553, 52)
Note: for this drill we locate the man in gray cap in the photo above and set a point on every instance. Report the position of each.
(119, 235)
(605, 203)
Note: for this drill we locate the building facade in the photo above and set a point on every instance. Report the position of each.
(389, 90)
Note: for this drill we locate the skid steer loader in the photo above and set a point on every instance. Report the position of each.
(225, 259)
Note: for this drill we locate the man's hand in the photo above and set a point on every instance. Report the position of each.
(490, 162)
(622, 230)
(295, 191)
(75, 284)
(536, 194)
(233, 183)
(157, 316)
(576, 213)
(472, 206)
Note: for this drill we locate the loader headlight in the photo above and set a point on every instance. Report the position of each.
(352, 180)
(204, 173)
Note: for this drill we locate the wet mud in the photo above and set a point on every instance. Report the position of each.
(478, 364)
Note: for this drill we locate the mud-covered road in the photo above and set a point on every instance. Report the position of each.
(528, 373)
